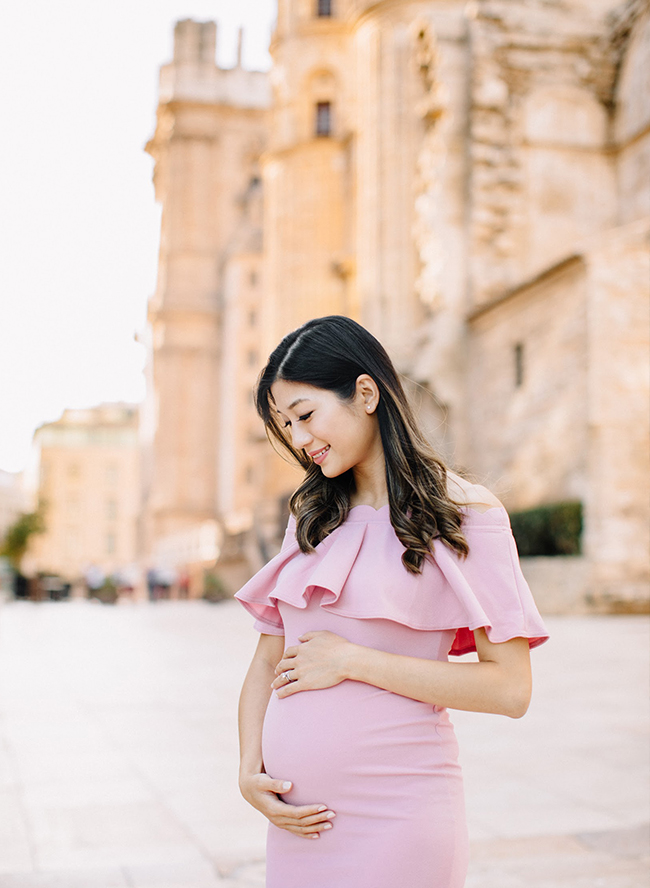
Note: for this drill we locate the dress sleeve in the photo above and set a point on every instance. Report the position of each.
(265, 611)
(492, 586)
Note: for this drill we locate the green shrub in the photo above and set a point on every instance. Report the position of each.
(549, 530)
(107, 594)
(214, 588)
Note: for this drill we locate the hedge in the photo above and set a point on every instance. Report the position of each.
(555, 529)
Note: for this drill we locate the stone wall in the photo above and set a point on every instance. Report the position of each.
(617, 532)
(541, 175)
(631, 126)
(528, 435)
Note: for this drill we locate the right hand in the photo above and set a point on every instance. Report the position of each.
(306, 821)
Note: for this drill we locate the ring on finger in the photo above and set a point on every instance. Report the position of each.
(287, 677)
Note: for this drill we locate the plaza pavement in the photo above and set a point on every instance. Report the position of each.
(118, 754)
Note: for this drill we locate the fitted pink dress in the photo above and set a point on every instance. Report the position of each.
(386, 764)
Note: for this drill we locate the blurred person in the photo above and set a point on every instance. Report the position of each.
(151, 584)
(390, 562)
(184, 584)
(165, 580)
(94, 578)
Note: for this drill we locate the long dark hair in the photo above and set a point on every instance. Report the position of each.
(331, 353)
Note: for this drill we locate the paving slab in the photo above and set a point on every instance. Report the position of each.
(118, 754)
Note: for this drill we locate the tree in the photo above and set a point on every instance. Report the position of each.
(16, 540)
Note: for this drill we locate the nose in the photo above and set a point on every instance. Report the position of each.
(300, 437)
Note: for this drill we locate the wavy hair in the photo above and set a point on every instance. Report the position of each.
(331, 353)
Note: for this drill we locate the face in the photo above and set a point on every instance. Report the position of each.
(336, 434)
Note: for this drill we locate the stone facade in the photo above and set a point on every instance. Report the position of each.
(203, 353)
(89, 483)
(471, 181)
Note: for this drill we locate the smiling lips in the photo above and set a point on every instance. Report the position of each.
(318, 455)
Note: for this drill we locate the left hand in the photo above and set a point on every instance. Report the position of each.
(319, 661)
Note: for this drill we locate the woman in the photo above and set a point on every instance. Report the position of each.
(389, 563)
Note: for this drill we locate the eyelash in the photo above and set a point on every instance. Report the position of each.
(305, 416)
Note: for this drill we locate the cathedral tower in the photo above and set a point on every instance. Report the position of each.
(209, 135)
(308, 173)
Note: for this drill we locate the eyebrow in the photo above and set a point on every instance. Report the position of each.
(297, 401)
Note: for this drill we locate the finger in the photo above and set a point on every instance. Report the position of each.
(287, 689)
(303, 835)
(285, 666)
(290, 653)
(297, 814)
(308, 636)
(310, 832)
(281, 681)
(270, 784)
(323, 818)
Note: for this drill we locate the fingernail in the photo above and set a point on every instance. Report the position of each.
(314, 836)
(322, 808)
(327, 826)
(330, 815)
(286, 785)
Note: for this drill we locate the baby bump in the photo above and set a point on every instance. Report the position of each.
(357, 742)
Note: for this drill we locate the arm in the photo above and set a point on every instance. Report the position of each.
(499, 683)
(257, 787)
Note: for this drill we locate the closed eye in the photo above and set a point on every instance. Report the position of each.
(302, 418)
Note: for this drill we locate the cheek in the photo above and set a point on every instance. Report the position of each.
(356, 443)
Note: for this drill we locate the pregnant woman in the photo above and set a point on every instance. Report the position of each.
(389, 564)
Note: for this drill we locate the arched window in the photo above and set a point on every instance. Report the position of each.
(323, 118)
(324, 8)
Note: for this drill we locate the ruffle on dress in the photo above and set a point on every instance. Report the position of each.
(358, 567)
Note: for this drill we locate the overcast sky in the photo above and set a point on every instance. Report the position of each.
(78, 223)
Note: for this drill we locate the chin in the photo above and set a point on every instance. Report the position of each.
(333, 471)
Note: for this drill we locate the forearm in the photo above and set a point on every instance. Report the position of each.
(253, 701)
(486, 686)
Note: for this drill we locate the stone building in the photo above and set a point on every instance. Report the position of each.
(471, 181)
(88, 464)
(204, 317)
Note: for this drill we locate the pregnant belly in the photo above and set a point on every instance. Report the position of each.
(353, 745)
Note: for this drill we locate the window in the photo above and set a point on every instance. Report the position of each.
(324, 8)
(519, 364)
(323, 118)
(110, 543)
(252, 358)
(252, 317)
(252, 278)
(111, 510)
(111, 474)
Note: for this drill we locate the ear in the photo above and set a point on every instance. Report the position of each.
(367, 393)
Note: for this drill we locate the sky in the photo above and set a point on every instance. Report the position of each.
(79, 226)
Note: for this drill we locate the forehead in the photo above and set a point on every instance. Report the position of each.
(291, 395)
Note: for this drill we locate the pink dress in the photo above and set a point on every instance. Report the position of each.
(386, 764)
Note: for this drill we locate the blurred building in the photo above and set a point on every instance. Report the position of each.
(205, 315)
(89, 486)
(471, 181)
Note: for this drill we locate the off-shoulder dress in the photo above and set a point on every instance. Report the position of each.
(386, 764)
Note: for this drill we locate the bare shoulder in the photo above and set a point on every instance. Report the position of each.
(473, 496)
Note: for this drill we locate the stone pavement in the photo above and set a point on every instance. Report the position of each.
(118, 754)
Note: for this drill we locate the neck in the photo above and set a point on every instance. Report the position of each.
(370, 483)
